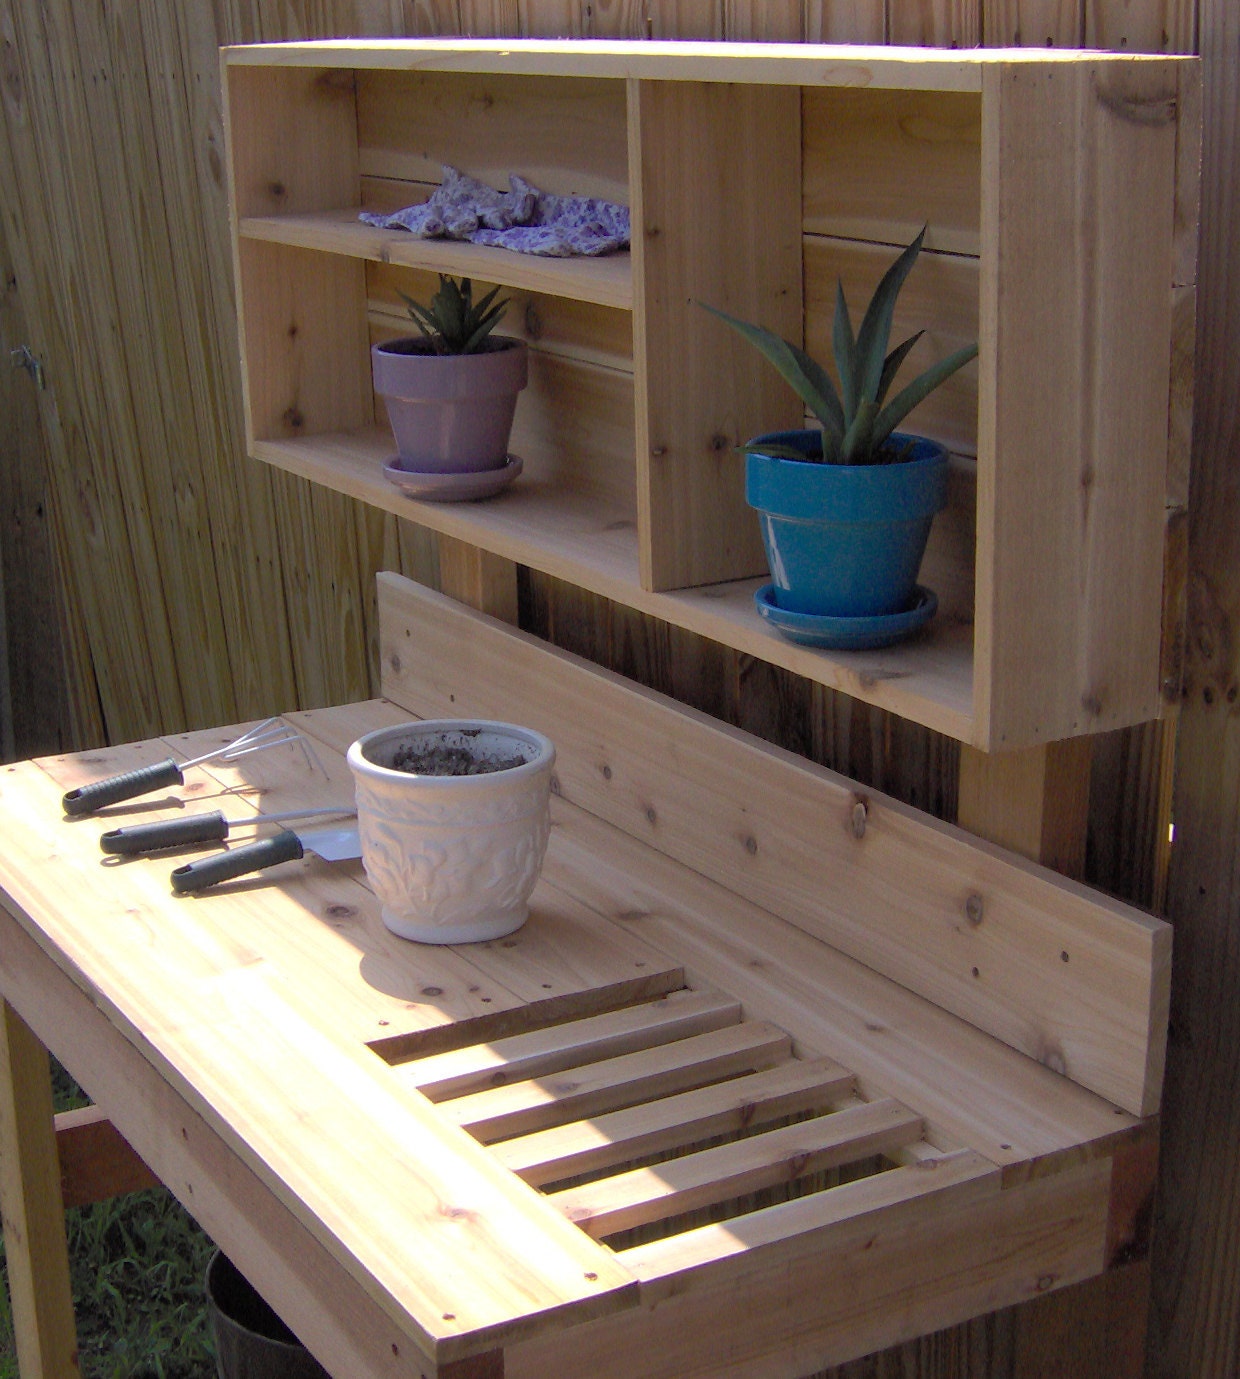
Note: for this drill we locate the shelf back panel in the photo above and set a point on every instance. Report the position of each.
(565, 135)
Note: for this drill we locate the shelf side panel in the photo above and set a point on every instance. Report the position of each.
(305, 350)
(717, 191)
(1078, 195)
(292, 139)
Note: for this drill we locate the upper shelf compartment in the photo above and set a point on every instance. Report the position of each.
(1058, 191)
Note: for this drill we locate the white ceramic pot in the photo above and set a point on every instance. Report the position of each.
(453, 859)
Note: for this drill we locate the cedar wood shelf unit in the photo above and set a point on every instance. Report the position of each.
(1059, 191)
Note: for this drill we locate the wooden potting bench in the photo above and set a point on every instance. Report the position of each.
(778, 1072)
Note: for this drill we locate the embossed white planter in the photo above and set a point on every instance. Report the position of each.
(453, 859)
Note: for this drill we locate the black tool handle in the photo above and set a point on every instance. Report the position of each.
(223, 866)
(113, 789)
(135, 839)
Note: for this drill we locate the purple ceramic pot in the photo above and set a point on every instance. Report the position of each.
(450, 413)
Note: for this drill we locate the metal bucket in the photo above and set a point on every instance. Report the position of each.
(251, 1342)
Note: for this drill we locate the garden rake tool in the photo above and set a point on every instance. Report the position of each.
(273, 732)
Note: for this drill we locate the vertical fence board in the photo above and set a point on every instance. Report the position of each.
(1195, 1325)
(36, 709)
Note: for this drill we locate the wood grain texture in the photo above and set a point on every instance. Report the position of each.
(44, 1329)
(760, 828)
(1102, 554)
(565, 136)
(1193, 1329)
(818, 1304)
(37, 700)
(880, 166)
(96, 1162)
(712, 165)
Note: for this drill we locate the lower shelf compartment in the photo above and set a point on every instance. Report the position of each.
(578, 538)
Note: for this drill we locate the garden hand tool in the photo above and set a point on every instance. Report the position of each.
(135, 840)
(113, 789)
(331, 844)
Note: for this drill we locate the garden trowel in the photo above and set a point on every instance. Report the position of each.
(335, 844)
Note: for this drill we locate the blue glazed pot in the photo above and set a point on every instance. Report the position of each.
(845, 540)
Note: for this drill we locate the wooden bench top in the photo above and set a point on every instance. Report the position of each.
(759, 1033)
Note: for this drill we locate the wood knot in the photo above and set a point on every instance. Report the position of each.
(974, 909)
(858, 818)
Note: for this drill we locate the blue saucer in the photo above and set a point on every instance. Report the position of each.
(847, 634)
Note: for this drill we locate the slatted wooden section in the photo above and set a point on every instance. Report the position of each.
(532, 1096)
(997, 945)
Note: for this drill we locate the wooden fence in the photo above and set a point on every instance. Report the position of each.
(155, 580)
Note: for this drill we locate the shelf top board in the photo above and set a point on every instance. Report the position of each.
(792, 64)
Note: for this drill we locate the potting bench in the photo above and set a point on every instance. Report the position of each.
(779, 1071)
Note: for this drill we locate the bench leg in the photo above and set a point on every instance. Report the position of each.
(33, 1212)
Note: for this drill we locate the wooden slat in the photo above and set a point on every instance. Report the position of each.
(617, 1137)
(565, 135)
(880, 165)
(978, 932)
(845, 1286)
(929, 69)
(36, 1254)
(1193, 1330)
(845, 21)
(1034, 23)
(941, 23)
(763, 21)
(1142, 26)
(1091, 621)
(710, 165)
(551, 1050)
(524, 1107)
(96, 1161)
(779, 1156)
(1035, 802)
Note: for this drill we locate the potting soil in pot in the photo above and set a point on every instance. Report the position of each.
(448, 759)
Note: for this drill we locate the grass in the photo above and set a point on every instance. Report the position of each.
(137, 1265)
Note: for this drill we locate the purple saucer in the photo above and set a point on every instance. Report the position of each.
(452, 488)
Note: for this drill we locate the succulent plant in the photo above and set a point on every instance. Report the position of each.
(453, 322)
(856, 425)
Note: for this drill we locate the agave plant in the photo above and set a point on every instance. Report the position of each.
(857, 420)
(453, 322)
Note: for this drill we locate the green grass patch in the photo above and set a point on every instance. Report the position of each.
(137, 1265)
